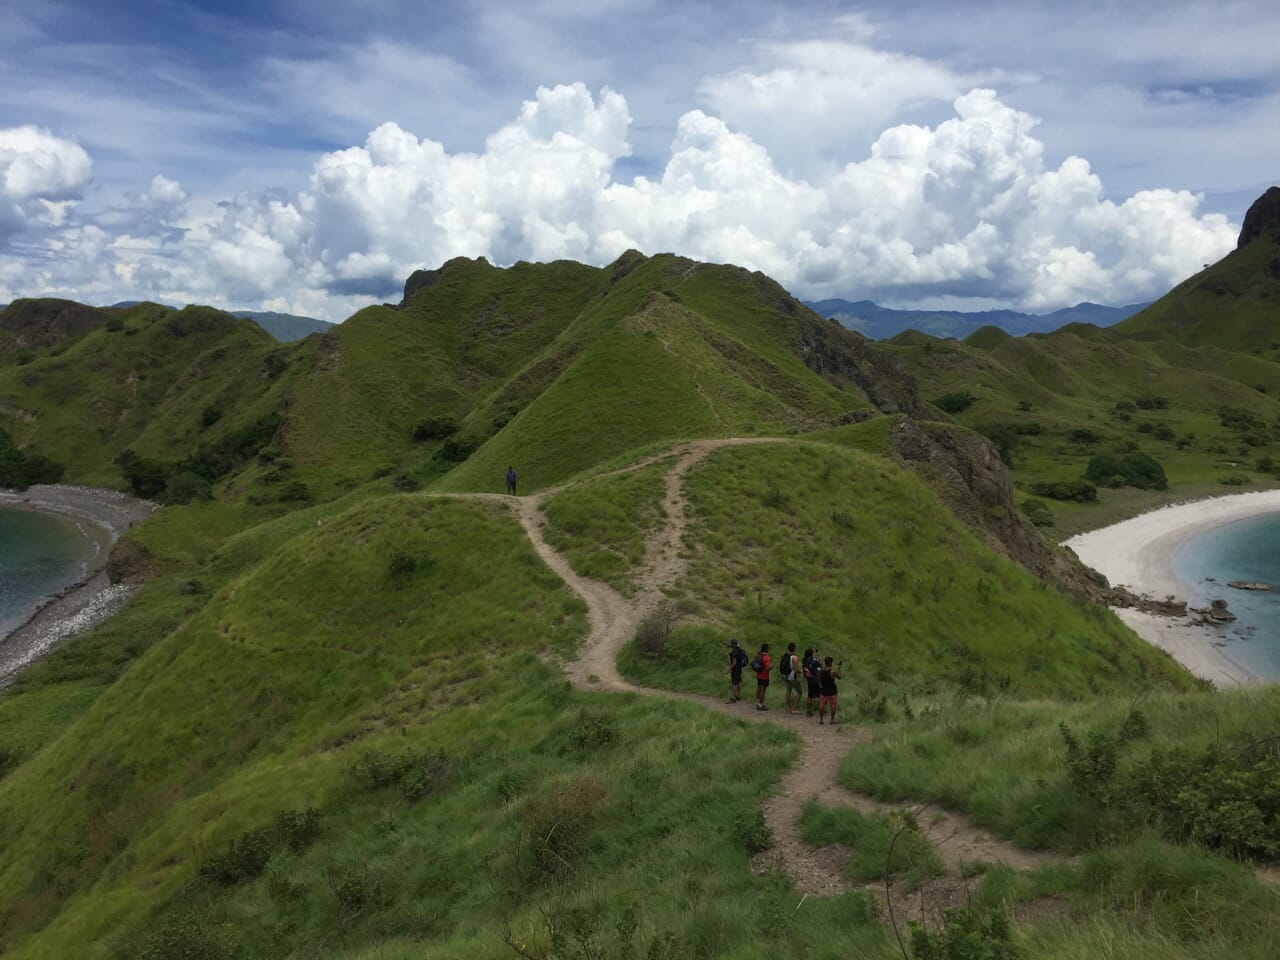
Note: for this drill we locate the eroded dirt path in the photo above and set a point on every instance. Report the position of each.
(814, 775)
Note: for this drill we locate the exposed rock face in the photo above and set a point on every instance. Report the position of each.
(843, 357)
(967, 472)
(130, 563)
(40, 324)
(1263, 217)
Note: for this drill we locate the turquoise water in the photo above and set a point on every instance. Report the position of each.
(1245, 550)
(39, 554)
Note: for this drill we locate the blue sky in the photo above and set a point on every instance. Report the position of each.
(305, 157)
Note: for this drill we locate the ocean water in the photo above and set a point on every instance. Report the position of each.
(40, 554)
(1245, 550)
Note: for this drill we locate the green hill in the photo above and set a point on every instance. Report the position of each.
(1230, 304)
(337, 720)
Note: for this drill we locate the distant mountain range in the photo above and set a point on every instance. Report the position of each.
(285, 327)
(880, 323)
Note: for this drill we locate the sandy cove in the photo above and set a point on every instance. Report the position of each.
(1137, 554)
(104, 516)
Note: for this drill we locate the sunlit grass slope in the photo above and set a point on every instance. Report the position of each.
(144, 381)
(824, 545)
(460, 787)
(1230, 304)
(603, 525)
(672, 350)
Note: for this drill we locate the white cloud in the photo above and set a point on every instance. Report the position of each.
(964, 208)
(40, 175)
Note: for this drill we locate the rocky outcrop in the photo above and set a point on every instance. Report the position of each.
(40, 324)
(1263, 217)
(847, 359)
(967, 473)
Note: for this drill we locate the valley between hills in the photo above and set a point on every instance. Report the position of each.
(361, 704)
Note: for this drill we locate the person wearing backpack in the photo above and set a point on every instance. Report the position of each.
(761, 664)
(827, 681)
(737, 660)
(790, 671)
(811, 666)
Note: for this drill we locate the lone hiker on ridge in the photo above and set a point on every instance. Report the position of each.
(512, 478)
(737, 660)
(761, 665)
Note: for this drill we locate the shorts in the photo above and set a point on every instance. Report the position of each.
(762, 681)
(793, 686)
(825, 701)
(815, 691)
(735, 677)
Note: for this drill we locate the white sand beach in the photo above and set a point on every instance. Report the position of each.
(1137, 554)
(104, 516)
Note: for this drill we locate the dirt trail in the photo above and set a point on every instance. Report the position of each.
(613, 621)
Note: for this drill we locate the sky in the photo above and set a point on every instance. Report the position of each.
(307, 156)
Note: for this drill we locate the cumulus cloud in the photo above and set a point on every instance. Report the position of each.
(40, 176)
(964, 208)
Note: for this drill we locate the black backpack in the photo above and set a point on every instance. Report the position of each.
(788, 665)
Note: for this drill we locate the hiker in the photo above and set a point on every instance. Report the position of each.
(827, 682)
(761, 665)
(811, 666)
(737, 660)
(790, 671)
(512, 477)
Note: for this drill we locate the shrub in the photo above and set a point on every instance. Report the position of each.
(842, 519)
(298, 829)
(775, 498)
(10, 760)
(592, 730)
(1152, 403)
(1234, 480)
(654, 632)
(20, 469)
(965, 936)
(185, 486)
(1265, 465)
(1032, 428)
(274, 364)
(558, 823)
(1083, 436)
(1004, 437)
(435, 428)
(1075, 491)
(414, 773)
(113, 325)
(190, 936)
(505, 415)
(1135, 469)
(402, 565)
(210, 415)
(955, 402)
(1037, 511)
(1164, 432)
(25, 357)
(457, 449)
(244, 859)
(752, 832)
(295, 492)
(1242, 421)
(406, 483)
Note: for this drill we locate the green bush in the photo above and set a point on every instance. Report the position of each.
(752, 832)
(965, 936)
(1083, 436)
(1234, 480)
(1135, 469)
(435, 428)
(1242, 421)
(244, 859)
(414, 773)
(183, 487)
(1037, 511)
(20, 469)
(1074, 491)
(955, 402)
(1152, 403)
(1004, 437)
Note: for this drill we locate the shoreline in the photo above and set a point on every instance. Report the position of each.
(103, 516)
(1138, 554)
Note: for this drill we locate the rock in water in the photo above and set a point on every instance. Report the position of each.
(1248, 585)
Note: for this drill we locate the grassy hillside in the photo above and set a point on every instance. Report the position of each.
(827, 546)
(1230, 304)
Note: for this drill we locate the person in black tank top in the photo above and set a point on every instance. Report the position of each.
(828, 691)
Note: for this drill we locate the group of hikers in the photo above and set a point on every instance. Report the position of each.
(809, 674)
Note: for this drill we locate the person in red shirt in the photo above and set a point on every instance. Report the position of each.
(761, 665)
